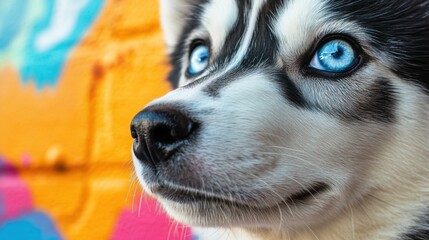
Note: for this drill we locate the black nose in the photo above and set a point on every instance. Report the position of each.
(158, 132)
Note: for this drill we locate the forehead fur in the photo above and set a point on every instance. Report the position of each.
(218, 19)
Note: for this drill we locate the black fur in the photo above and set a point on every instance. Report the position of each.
(290, 90)
(379, 106)
(420, 231)
(235, 37)
(264, 44)
(194, 20)
(398, 28)
(214, 87)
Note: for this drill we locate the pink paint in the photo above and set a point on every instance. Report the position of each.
(151, 224)
(17, 212)
(15, 197)
(26, 160)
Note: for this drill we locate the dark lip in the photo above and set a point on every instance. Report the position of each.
(307, 193)
(190, 196)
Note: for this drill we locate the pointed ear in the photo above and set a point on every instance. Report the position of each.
(174, 14)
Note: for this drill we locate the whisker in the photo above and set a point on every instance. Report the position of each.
(287, 155)
(140, 203)
(134, 198)
(289, 149)
(182, 234)
(175, 229)
(352, 222)
(309, 228)
(130, 187)
(282, 200)
(169, 229)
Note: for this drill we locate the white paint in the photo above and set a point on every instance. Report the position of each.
(63, 21)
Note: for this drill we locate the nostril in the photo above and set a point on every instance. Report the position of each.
(182, 128)
(162, 134)
(171, 133)
(134, 133)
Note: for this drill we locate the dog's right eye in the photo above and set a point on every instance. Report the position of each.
(198, 59)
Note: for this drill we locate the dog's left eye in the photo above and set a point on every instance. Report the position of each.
(335, 56)
(198, 59)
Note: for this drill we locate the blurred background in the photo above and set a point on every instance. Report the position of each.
(73, 73)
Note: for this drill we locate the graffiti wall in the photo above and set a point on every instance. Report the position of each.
(72, 75)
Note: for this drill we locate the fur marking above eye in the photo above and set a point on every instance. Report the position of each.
(198, 59)
(335, 56)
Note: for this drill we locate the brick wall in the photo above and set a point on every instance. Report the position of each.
(72, 76)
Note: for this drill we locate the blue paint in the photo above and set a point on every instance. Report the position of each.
(195, 237)
(12, 14)
(34, 225)
(2, 206)
(45, 68)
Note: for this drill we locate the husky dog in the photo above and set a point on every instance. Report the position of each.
(292, 119)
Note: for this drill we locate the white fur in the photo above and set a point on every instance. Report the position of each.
(218, 19)
(257, 4)
(297, 24)
(174, 14)
(254, 143)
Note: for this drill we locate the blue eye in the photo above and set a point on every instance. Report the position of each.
(198, 59)
(335, 56)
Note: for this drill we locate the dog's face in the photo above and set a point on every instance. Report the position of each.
(282, 107)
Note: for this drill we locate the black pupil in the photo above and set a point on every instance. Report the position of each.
(338, 53)
(202, 58)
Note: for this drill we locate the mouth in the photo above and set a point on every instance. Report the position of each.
(308, 193)
(188, 195)
(192, 196)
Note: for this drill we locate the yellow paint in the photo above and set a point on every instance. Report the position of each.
(77, 134)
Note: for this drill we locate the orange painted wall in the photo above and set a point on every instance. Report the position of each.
(70, 143)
